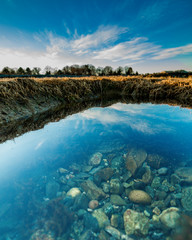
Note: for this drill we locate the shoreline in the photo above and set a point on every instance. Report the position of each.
(27, 101)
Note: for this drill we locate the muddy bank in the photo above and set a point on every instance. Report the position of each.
(33, 103)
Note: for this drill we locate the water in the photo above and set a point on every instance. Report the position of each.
(40, 167)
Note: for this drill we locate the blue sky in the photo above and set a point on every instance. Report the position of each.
(148, 35)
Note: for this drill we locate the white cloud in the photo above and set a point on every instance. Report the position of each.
(102, 47)
(103, 36)
(133, 115)
(134, 50)
(172, 52)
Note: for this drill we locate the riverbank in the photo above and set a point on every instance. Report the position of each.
(24, 99)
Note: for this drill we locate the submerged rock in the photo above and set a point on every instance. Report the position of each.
(88, 235)
(114, 220)
(155, 160)
(93, 204)
(139, 196)
(185, 173)
(81, 202)
(156, 183)
(170, 217)
(108, 208)
(95, 159)
(135, 159)
(116, 186)
(135, 223)
(104, 174)
(186, 199)
(117, 162)
(101, 217)
(92, 191)
(74, 192)
(162, 171)
(106, 187)
(113, 232)
(91, 222)
(147, 176)
(117, 200)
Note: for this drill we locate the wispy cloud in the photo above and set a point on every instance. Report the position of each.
(103, 36)
(108, 45)
(135, 49)
(172, 52)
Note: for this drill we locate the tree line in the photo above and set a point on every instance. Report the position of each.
(74, 70)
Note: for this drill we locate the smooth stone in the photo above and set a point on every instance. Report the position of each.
(170, 217)
(113, 232)
(95, 159)
(135, 159)
(94, 170)
(114, 220)
(82, 175)
(139, 196)
(92, 191)
(117, 200)
(104, 174)
(87, 168)
(186, 199)
(162, 171)
(135, 223)
(74, 192)
(101, 217)
(93, 204)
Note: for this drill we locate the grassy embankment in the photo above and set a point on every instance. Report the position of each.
(25, 99)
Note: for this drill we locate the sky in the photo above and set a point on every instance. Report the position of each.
(148, 35)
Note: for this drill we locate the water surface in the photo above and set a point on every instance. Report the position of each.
(29, 164)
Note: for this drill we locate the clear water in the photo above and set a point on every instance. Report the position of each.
(32, 188)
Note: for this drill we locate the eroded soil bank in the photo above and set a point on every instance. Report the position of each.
(31, 103)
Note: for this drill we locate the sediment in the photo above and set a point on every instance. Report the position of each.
(34, 102)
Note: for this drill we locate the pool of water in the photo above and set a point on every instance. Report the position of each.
(120, 172)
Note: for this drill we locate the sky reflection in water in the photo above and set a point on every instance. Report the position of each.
(156, 128)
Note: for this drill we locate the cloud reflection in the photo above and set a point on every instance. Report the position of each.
(136, 116)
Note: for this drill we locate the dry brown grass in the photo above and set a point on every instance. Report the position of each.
(18, 95)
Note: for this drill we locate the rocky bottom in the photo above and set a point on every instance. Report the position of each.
(128, 195)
